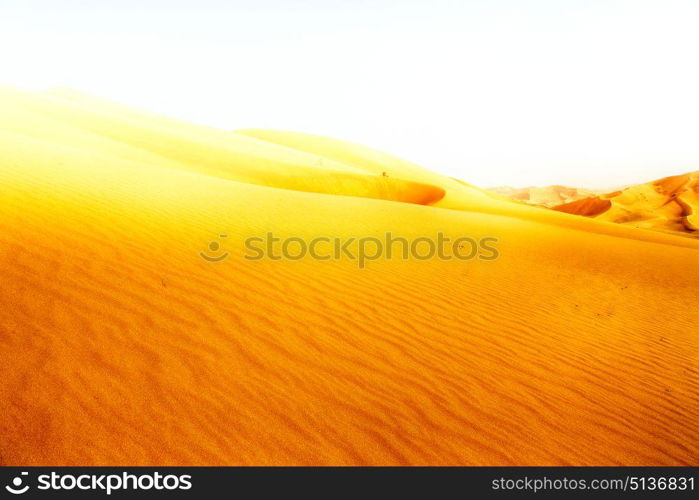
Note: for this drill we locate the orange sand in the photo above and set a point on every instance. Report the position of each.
(121, 345)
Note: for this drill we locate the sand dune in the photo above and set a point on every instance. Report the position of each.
(547, 196)
(121, 345)
(669, 204)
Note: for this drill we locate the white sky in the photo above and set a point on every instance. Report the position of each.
(579, 92)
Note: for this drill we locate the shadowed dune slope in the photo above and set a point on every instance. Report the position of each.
(589, 207)
(121, 345)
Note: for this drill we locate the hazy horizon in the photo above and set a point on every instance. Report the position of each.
(586, 94)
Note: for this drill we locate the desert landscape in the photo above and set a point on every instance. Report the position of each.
(668, 204)
(545, 196)
(121, 345)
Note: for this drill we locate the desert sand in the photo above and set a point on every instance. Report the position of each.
(122, 346)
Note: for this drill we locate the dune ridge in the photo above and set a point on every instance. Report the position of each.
(459, 195)
(121, 345)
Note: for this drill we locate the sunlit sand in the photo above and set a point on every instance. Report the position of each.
(121, 345)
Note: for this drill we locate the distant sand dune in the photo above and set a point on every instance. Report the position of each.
(121, 345)
(547, 196)
(664, 205)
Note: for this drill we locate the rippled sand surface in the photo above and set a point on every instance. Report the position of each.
(120, 344)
